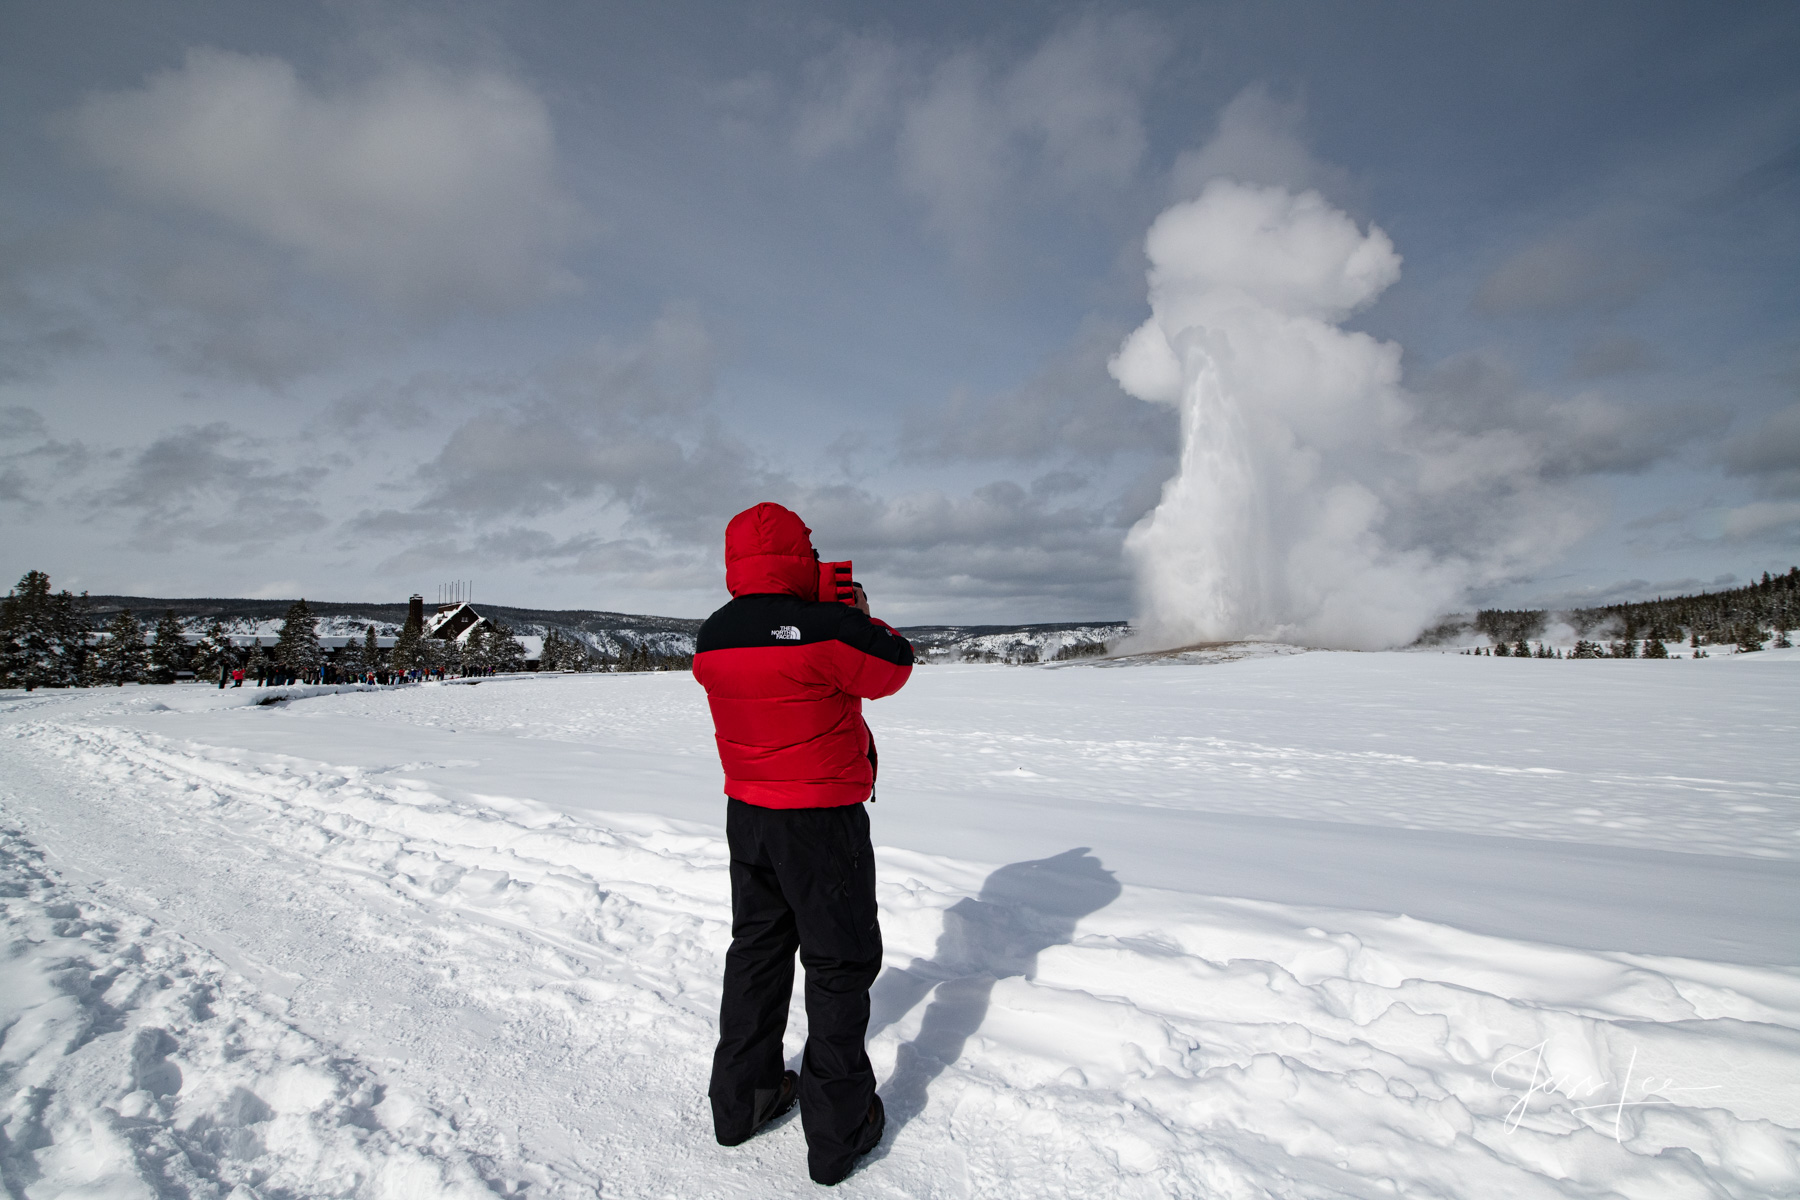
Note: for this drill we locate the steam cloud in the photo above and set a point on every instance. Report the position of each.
(1316, 501)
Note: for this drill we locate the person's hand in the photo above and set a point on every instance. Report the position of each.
(862, 599)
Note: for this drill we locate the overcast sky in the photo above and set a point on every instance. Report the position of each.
(345, 300)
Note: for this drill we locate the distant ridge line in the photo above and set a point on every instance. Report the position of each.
(394, 612)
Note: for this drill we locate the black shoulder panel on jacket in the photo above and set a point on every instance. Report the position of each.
(767, 620)
(859, 632)
(780, 620)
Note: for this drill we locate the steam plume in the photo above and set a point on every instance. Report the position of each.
(1311, 502)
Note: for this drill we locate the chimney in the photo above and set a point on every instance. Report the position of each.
(415, 611)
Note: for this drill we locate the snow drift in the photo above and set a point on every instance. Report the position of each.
(1141, 933)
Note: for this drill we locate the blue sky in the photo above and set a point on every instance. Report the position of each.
(348, 299)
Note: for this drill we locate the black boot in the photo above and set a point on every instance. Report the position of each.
(868, 1139)
(770, 1104)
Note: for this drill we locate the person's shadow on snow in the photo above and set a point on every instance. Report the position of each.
(1024, 909)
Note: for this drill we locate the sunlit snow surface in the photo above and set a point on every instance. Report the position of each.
(1144, 929)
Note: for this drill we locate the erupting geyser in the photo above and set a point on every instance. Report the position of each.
(1298, 441)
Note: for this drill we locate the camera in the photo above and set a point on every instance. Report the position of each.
(835, 582)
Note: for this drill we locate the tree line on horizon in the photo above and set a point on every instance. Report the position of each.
(1744, 618)
(49, 639)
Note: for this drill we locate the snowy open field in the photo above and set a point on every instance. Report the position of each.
(1309, 926)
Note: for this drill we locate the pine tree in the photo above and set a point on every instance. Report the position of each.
(468, 654)
(13, 657)
(503, 651)
(23, 645)
(297, 644)
(69, 631)
(1522, 649)
(361, 655)
(408, 651)
(564, 653)
(212, 653)
(350, 660)
(120, 659)
(1749, 638)
(1654, 648)
(43, 637)
(436, 654)
(169, 652)
(1781, 639)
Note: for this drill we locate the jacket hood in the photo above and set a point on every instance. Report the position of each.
(768, 549)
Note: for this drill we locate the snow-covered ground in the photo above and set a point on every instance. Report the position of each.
(1306, 925)
(334, 627)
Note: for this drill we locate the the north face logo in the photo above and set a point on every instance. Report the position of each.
(787, 633)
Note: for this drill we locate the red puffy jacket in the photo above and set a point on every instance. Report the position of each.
(786, 673)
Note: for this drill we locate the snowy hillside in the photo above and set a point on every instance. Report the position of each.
(1297, 925)
(333, 626)
(616, 643)
(1016, 644)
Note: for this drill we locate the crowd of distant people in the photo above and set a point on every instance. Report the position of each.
(327, 673)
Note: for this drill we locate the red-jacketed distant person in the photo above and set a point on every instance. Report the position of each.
(785, 673)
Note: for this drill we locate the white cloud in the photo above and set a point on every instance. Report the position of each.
(1769, 453)
(1078, 97)
(1068, 407)
(18, 421)
(978, 138)
(211, 485)
(851, 92)
(1258, 140)
(427, 189)
(1762, 517)
(1569, 271)
(1613, 354)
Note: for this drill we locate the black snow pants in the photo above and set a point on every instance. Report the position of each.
(801, 879)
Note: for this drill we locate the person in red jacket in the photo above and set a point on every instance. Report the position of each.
(785, 675)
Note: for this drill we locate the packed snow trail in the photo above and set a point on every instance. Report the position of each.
(138, 1065)
(411, 981)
